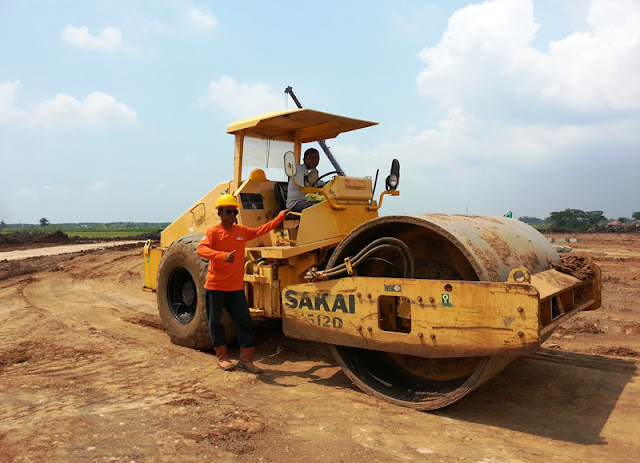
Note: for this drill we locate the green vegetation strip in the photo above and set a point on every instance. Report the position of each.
(87, 231)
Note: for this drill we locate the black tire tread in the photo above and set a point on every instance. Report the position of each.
(182, 252)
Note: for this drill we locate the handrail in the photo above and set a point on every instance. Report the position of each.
(307, 189)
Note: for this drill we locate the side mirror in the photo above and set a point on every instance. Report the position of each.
(290, 167)
(394, 177)
(311, 178)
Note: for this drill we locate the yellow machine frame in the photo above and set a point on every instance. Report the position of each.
(464, 295)
(296, 126)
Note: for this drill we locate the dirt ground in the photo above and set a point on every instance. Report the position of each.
(87, 374)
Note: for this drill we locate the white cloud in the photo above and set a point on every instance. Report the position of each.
(99, 186)
(201, 19)
(97, 109)
(485, 62)
(154, 26)
(56, 189)
(600, 68)
(473, 55)
(28, 193)
(80, 37)
(509, 102)
(242, 99)
(8, 91)
(522, 127)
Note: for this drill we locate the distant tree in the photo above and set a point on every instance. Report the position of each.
(531, 220)
(2, 225)
(624, 219)
(44, 222)
(594, 218)
(575, 218)
(569, 218)
(636, 216)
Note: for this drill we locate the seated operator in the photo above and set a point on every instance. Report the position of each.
(296, 201)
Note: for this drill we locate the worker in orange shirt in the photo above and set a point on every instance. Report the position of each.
(223, 245)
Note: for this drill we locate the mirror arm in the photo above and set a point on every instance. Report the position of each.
(387, 192)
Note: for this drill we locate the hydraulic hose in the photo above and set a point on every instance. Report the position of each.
(374, 247)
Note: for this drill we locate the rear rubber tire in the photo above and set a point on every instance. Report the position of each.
(180, 294)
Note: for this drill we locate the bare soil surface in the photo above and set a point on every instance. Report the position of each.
(87, 374)
(26, 252)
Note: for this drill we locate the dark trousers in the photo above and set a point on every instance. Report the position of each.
(235, 302)
(302, 205)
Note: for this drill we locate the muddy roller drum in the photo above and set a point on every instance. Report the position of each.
(442, 247)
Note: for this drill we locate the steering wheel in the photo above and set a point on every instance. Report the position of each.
(328, 173)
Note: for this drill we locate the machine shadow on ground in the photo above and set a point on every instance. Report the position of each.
(554, 394)
(558, 395)
(275, 349)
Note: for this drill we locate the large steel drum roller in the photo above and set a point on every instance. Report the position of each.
(444, 247)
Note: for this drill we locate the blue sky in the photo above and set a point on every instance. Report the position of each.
(117, 110)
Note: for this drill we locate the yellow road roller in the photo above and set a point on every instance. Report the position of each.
(418, 310)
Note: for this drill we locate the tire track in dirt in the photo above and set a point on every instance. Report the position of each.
(59, 371)
(86, 376)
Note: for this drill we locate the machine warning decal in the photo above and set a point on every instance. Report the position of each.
(393, 288)
(446, 300)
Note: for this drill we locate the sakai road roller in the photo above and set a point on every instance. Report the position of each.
(418, 310)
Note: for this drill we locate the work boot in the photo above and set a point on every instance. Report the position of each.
(246, 360)
(223, 358)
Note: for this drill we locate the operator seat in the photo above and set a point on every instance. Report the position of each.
(280, 192)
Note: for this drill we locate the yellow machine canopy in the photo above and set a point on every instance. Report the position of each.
(305, 125)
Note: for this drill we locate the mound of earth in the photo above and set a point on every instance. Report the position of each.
(20, 240)
(26, 240)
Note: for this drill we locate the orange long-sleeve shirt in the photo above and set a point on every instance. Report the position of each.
(218, 241)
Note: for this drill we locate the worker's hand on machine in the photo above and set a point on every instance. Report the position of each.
(230, 257)
(285, 211)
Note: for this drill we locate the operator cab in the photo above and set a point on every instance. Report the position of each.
(274, 140)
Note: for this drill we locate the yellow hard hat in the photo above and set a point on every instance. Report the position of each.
(257, 174)
(226, 201)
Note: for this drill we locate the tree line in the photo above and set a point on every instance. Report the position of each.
(573, 219)
(44, 222)
(570, 219)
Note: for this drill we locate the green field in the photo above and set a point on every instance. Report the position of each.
(88, 230)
